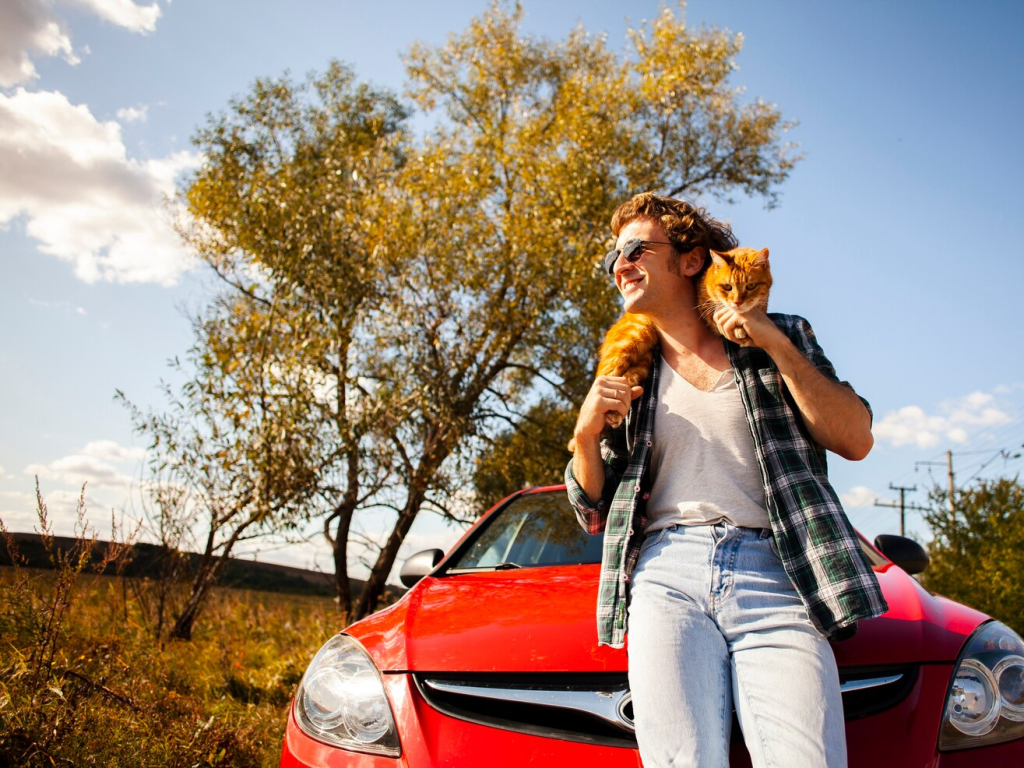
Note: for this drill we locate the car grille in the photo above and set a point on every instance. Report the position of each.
(597, 708)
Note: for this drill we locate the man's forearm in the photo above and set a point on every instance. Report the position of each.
(832, 412)
(588, 466)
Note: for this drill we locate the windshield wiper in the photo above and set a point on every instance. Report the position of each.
(482, 568)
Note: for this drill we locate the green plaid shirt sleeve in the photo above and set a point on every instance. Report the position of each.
(816, 542)
(621, 511)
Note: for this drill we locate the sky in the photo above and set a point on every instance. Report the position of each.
(899, 235)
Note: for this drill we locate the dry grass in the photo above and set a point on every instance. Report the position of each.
(110, 694)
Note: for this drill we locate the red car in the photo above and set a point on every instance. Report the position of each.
(491, 659)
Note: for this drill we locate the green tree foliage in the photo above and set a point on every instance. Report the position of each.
(434, 298)
(977, 554)
(529, 453)
(288, 211)
(235, 453)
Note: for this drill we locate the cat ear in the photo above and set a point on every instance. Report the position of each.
(761, 260)
(719, 258)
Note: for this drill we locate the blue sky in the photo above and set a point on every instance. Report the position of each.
(899, 236)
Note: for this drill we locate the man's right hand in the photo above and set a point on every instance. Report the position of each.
(608, 395)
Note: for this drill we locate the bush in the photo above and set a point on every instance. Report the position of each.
(977, 554)
(83, 681)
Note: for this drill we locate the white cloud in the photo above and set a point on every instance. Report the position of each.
(99, 465)
(108, 449)
(858, 496)
(29, 27)
(955, 422)
(133, 114)
(124, 13)
(18, 510)
(19, 513)
(84, 199)
(32, 28)
(80, 470)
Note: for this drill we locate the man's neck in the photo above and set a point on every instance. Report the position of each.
(685, 336)
(685, 333)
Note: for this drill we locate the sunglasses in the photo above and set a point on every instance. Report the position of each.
(631, 251)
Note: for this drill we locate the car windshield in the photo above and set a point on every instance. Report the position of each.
(540, 529)
(535, 529)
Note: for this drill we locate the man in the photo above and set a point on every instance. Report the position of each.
(723, 537)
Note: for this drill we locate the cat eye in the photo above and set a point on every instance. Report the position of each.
(631, 251)
(726, 287)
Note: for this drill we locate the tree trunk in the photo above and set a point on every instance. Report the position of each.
(374, 587)
(204, 580)
(342, 583)
(206, 576)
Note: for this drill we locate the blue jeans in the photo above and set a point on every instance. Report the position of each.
(714, 623)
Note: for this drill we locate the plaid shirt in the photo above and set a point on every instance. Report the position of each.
(817, 544)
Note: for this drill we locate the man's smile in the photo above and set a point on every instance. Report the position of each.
(629, 283)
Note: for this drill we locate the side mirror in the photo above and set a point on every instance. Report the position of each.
(419, 565)
(906, 553)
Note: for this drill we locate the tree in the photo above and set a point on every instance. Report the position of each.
(977, 553)
(238, 453)
(532, 452)
(446, 289)
(287, 210)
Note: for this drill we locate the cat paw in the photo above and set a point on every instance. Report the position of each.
(613, 419)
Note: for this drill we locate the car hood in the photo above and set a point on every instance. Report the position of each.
(918, 627)
(542, 619)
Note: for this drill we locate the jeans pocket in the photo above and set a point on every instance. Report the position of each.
(775, 546)
(652, 540)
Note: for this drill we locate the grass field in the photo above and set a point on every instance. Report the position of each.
(84, 681)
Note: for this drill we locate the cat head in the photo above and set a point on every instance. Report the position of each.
(739, 278)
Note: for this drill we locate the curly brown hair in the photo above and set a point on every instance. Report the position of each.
(686, 225)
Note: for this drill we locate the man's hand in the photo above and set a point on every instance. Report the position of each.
(749, 329)
(608, 396)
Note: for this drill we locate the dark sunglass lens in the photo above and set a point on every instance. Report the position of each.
(609, 260)
(632, 250)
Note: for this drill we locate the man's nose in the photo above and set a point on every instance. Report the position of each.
(621, 264)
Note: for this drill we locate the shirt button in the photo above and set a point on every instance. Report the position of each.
(637, 487)
(648, 443)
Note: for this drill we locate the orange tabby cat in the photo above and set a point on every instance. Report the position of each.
(739, 278)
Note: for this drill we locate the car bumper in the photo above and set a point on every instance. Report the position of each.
(903, 735)
(430, 738)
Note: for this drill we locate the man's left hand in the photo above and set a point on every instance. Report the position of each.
(749, 329)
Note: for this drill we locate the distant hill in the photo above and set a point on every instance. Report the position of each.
(243, 574)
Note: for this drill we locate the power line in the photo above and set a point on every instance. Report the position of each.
(902, 505)
(949, 469)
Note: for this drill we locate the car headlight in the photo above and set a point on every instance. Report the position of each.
(341, 700)
(986, 697)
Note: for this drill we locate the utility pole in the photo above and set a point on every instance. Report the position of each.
(949, 472)
(952, 487)
(903, 506)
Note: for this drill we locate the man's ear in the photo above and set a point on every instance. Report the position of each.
(691, 261)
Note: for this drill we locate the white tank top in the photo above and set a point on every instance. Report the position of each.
(703, 461)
